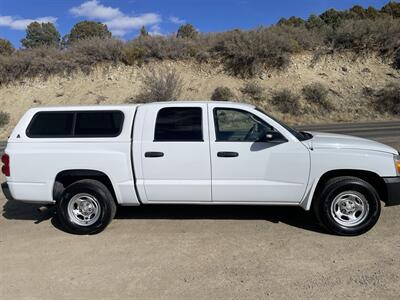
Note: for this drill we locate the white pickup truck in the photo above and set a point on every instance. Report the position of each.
(88, 159)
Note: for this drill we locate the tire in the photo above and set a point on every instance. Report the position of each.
(86, 207)
(347, 206)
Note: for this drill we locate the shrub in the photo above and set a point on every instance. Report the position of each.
(41, 34)
(187, 31)
(143, 32)
(317, 94)
(245, 53)
(222, 93)
(396, 60)
(253, 90)
(392, 8)
(46, 61)
(4, 118)
(362, 35)
(86, 30)
(162, 85)
(286, 101)
(388, 99)
(292, 21)
(94, 50)
(159, 47)
(6, 48)
(133, 54)
(314, 22)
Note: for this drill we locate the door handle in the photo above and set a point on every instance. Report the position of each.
(227, 154)
(154, 154)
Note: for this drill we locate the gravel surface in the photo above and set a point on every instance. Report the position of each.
(192, 252)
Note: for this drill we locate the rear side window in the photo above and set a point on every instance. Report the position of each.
(179, 124)
(76, 124)
(98, 123)
(51, 124)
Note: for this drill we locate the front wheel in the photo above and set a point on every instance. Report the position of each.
(86, 207)
(347, 206)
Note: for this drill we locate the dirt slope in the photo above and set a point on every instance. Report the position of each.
(346, 75)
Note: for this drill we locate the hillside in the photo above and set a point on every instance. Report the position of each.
(348, 77)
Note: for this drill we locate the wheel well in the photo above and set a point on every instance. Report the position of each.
(67, 177)
(372, 178)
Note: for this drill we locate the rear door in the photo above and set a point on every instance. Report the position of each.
(175, 153)
(252, 161)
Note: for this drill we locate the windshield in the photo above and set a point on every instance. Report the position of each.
(300, 135)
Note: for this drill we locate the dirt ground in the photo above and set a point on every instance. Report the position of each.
(196, 252)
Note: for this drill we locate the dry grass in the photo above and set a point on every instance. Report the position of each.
(160, 85)
(286, 101)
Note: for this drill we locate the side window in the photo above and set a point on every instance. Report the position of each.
(98, 123)
(58, 124)
(183, 124)
(239, 126)
(51, 124)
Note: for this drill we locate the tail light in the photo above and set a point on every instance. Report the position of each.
(5, 169)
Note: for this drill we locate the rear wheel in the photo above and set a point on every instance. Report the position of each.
(347, 206)
(86, 207)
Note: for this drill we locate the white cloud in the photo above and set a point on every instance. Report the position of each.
(176, 20)
(119, 23)
(92, 9)
(127, 23)
(155, 30)
(21, 24)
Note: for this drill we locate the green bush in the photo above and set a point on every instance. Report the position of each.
(388, 99)
(286, 101)
(162, 85)
(4, 118)
(132, 55)
(392, 8)
(317, 93)
(6, 48)
(87, 30)
(222, 93)
(41, 34)
(187, 31)
(253, 90)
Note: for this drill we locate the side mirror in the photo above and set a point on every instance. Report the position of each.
(272, 137)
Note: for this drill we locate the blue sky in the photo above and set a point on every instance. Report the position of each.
(125, 17)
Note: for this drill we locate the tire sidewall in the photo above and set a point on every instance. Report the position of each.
(349, 185)
(96, 191)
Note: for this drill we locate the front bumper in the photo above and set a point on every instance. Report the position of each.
(393, 190)
(6, 191)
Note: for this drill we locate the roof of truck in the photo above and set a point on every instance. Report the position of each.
(127, 106)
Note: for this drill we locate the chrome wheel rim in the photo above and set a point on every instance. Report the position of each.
(349, 208)
(84, 209)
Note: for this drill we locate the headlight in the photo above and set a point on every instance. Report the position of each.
(397, 164)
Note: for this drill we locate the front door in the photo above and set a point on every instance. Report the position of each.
(175, 153)
(252, 161)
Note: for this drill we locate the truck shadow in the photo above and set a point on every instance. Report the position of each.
(293, 216)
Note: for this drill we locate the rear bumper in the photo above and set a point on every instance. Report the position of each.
(393, 190)
(6, 191)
